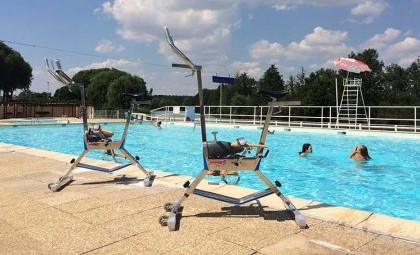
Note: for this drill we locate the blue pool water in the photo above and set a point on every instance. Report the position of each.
(388, 184)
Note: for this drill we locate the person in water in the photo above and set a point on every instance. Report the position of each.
(159, 123)
(360, 153)
(306, 148)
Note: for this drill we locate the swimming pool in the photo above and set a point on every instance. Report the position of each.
(388, 184)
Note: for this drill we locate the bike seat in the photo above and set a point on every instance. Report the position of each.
(277, 94)
(219, 149)
(136, 97)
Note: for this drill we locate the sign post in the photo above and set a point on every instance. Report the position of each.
(222, 81)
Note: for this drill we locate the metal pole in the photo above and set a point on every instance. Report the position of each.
(221, 96)
(330, 118)
(84, 112)
(201, 96)
(336, 97)
(255, 112)
(48, 90)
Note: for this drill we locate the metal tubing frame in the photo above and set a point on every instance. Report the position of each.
(190, 188)
(63, 78)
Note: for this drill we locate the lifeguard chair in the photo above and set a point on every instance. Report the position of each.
(225, 158)
(96, 138)
(352, 109)
(352, 106)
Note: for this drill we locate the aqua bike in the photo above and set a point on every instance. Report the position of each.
(224, 159)
(96, 138)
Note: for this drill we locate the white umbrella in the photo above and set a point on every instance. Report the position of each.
(351, 65)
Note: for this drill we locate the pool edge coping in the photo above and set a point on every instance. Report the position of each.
(408, 230)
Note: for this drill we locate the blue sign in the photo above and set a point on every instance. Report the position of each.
(224, 80)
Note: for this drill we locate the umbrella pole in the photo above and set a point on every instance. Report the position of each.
(336, 100)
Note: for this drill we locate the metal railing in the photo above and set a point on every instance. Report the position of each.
(107, 114)
(385, 118)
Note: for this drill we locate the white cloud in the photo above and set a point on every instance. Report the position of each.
(282, 7)
(104, 46)
(320, 44)
(392, 48)
(369, 10)
(264, 49)
(120, 64)
(379, 41)
(253, 69)
(407, 46)
(406, 62)
(202, 29)
(403, 52)
(317, 47)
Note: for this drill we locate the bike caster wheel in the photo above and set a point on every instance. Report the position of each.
(148, 181)
(62, 181)
(168, 206)
(53, 186)
(172, 221)
(163, 220)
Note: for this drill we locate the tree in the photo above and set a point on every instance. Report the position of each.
(125, 84)
(15, 73)
(84, 77)
(242, 100)
(245, 85)
(27, 96)
(413, 73)
(395, 85)
(98, 84)
(271, 79)
(66, 94)
(321, 89)
(295, 86)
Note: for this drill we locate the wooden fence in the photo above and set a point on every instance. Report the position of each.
(22, 110)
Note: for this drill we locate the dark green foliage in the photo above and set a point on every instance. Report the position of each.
(64, 94)
(125, 84)
(414, 81)
(15, 72)
(105, 87)
(320, 88)
(27, 96)
(163, 100)
(271, 79)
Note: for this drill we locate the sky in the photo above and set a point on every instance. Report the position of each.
(225, 37)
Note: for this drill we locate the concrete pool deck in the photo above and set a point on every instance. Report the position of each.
(110, 213)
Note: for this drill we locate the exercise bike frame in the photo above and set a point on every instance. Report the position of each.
(103, 144)
(230, 164)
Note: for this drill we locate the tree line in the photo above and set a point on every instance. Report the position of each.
(384, 85)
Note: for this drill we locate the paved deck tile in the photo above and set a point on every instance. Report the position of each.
(101, 213)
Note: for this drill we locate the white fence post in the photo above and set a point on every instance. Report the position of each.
(407, 123)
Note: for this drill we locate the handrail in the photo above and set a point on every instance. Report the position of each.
(395, 118)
